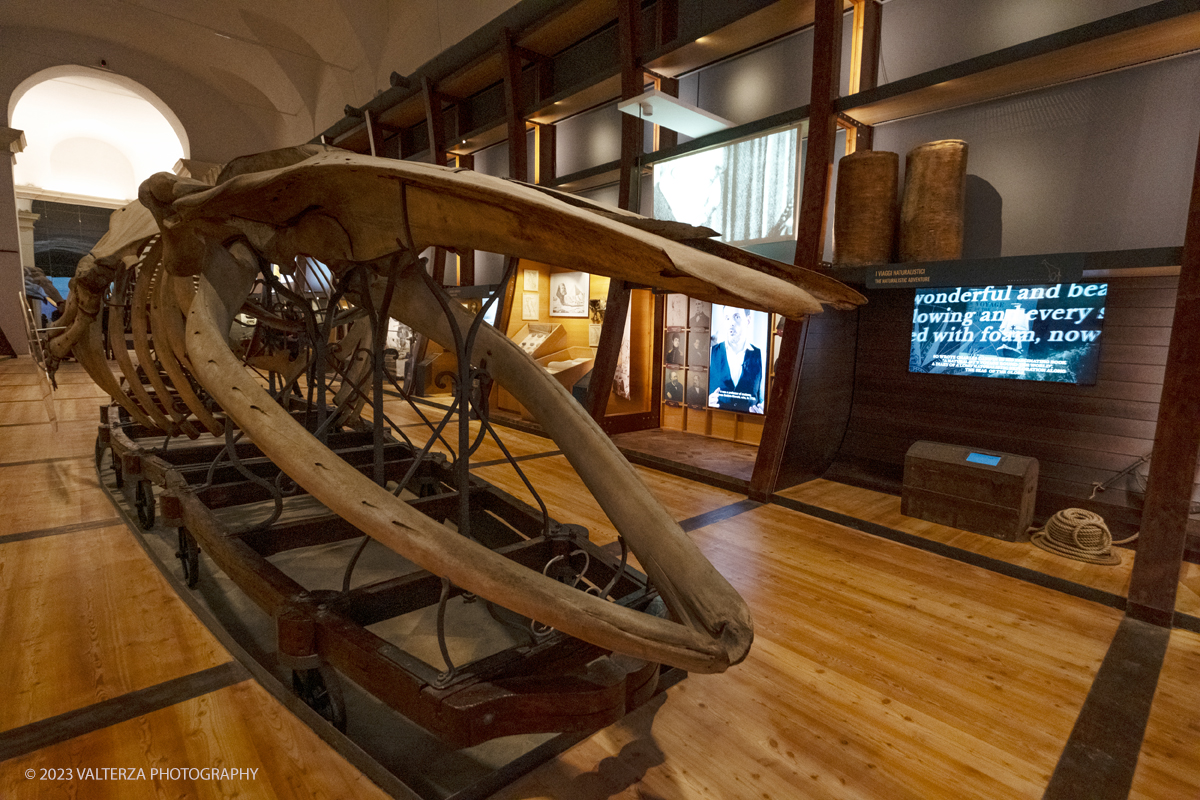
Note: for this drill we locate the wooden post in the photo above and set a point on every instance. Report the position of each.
(864, 65)
(518, 159)
(12, 281)
(667, 21)
(604, 368)
(1163, 535)
(374, 134)
(810, 240)
(435, 124)
(436, 128)
(545, 145)
(632, 82)
(665, 138)
(466, 263)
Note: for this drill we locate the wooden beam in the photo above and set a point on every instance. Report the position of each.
(608, 350)
(665, 138)
(1160, 548)
(632, 82)
(864, 65)
(518, 159)
(666, 19)
(466, 268)
(545, 146)
(374, 134)
(466, 258)
(604, 368)
(810, 240)
(435, 123)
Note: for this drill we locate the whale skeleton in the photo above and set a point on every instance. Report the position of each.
(202, 247)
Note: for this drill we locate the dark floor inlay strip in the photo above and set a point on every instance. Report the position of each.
(45, 461)
(718, 514)
(688, 471)
(497, 461)
(1101, 754)
(958, 554)
(52, 731)
(75, 528)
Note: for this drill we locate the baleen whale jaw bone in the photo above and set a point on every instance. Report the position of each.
(358, 213)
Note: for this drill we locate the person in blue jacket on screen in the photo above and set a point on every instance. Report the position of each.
(736, 366)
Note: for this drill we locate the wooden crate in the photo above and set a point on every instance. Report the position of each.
(962, 487)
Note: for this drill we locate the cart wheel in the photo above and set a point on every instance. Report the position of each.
(321, 691)
(116, 467)
(99, 453)
(143, 502)
(189, 556)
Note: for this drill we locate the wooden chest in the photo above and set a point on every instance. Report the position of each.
(982, 491)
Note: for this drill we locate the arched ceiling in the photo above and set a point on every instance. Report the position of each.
(302, 60)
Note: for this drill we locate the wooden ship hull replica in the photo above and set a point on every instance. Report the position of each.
(280, 416)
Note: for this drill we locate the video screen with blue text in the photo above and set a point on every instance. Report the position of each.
(1042, 332)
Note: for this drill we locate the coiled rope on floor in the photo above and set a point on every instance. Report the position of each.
(1079, 534)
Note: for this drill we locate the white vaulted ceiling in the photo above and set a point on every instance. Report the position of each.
(288, 67)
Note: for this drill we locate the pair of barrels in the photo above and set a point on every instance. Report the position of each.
(931, 210)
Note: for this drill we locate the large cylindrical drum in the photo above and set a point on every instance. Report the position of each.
(864, 217)
(931, 213)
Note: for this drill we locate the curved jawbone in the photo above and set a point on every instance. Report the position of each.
(714, 628)
(352, 211)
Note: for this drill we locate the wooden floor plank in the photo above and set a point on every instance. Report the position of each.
(878, 671)
(29, 442)
(568, 499)
(1169, 764)
(86, 617)
(884, 509)
(518, 443)
(1101, 755)
(51, 493)
(239, 727)
(65, 410)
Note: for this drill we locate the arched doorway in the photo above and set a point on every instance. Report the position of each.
(92, 137)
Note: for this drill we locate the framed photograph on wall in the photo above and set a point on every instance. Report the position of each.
(529, 307)
(675, 347)
(673, 382)
(531, 280)
(699, 347)
(699, 313)
(569, 294)
(697, 388)
(677, 310)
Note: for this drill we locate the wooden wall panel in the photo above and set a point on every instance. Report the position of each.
(1081, 435)
(824, 390)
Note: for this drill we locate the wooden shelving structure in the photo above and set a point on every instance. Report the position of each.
(1146, 34)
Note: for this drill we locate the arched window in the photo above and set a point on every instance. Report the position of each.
(92, 136)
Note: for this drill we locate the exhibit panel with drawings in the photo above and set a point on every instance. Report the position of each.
(297, 430)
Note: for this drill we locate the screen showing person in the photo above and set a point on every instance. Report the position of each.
(697, 389)
(738, 360)
(673, 379)
(675, 348)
